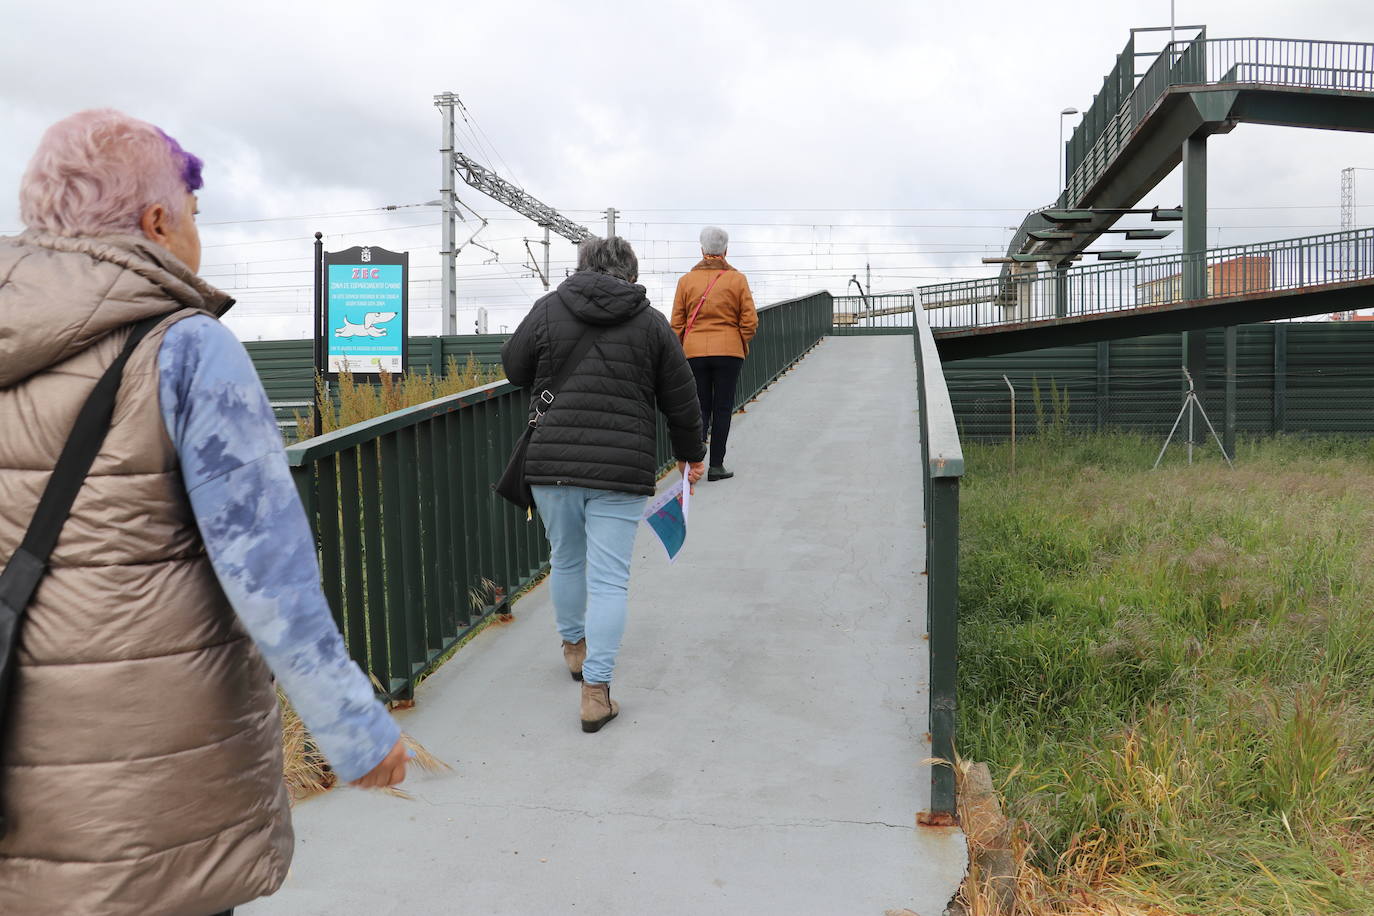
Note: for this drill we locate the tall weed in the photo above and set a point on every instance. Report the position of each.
(350, 400)
(1171, 670)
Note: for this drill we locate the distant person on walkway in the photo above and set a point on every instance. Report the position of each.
(591, 459)
(141, 754)
(714, 317)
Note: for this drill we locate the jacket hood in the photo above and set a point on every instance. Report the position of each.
(602, 299)
(60, 295)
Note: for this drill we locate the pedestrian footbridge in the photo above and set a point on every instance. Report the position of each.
(783, 685)
(1216, 287)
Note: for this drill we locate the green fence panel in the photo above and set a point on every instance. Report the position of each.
(1295, 377)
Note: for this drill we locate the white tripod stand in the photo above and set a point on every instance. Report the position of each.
(1191, 400)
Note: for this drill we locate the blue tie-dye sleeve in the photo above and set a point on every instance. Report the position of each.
(256, 534)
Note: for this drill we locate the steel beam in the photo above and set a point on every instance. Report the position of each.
(1310, 109)
(965, 343)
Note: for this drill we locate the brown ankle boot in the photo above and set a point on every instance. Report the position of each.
(597, 706)
(575, 653)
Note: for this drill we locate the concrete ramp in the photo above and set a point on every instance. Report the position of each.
(773, 685)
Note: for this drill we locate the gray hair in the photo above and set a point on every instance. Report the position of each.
(612, 256)
(714, 240)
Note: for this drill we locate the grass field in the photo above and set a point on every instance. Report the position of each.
(1171, 672)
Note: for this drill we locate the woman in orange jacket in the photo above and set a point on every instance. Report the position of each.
(714, 317)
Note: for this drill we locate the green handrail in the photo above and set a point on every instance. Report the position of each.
(1241, 270)
(415, 550)
(877, 313)
(942, 464)
(1271, 63)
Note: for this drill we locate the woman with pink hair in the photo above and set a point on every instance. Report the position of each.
(140, 744)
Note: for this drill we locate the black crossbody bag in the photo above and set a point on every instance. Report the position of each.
(512, 486)
(25, 569)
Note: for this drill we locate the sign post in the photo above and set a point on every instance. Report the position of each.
(365, 311)
(317, 350)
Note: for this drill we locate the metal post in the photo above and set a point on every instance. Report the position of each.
(318, 348)
(610, 222)
(1013, 422)
(1228, 419)
(1103, 367)
(1195, 259)
(447, 201)
(1280, 377)
(1061, 290)
(1195, 217)
(1059, 163)
(1192, 399)
(546, 257)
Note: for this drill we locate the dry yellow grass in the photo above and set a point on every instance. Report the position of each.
(353, 401)
(1085, 889)
(307, 772)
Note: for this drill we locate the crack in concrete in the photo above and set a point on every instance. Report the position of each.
(667, 819)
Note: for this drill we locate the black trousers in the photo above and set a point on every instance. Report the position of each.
(717, 378)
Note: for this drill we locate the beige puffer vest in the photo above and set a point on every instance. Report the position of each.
(140, 759)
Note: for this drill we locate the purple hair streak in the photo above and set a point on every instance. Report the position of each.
(189, 163)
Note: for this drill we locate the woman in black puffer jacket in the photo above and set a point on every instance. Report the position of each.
(591, 458)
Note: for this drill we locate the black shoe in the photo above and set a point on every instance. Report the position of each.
(719, 472)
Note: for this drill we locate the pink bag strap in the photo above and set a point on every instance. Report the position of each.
(700, 302)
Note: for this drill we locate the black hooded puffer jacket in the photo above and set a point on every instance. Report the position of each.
(599, 432)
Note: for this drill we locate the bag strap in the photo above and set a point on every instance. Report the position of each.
(545, 399)
(700, 302)
(22, 573)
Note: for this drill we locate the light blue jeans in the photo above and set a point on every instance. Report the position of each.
(592, 533)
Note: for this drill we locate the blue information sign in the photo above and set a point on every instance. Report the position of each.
(365, 302)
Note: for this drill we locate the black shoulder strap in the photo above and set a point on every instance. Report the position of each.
(22, 573)
(579, 351)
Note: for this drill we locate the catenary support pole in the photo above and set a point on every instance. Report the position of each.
(448, 220)
(546, 257)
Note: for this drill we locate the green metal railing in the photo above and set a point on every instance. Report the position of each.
(881, 313)
(1243, 270)
(1333, 66)
(415, 550)
(942, 463)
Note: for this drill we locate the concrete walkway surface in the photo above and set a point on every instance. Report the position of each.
(773, 691)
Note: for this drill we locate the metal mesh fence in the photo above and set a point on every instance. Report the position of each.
(1310, 378)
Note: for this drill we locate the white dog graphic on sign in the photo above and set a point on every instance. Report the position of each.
(368, 328)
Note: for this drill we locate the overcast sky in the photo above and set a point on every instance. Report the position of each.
(822, 136)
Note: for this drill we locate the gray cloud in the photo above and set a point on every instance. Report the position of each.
(810, 113)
